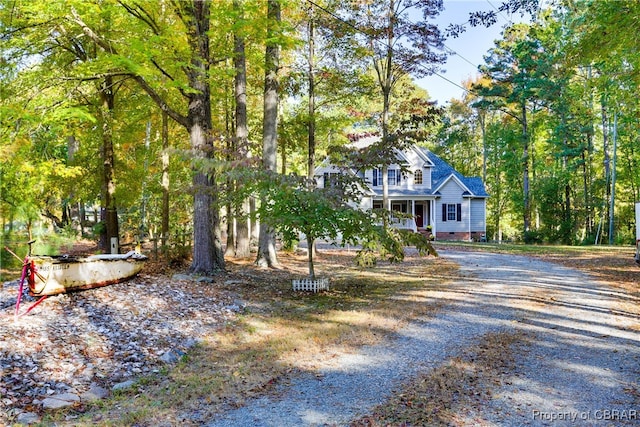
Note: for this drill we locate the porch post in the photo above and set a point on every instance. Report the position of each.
(414, 227)
(432, 218)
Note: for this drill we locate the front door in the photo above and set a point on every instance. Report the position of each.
(419, 209)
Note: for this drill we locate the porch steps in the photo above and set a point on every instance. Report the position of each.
(424, 232)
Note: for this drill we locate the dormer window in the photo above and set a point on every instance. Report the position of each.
(394, 176)
(417, 177)
(377, 177)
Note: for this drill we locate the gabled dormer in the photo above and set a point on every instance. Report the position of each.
(412, 172)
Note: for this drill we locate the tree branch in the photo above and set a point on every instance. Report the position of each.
(161, 102)
(93, 36)
(141, 81)
(140, 13)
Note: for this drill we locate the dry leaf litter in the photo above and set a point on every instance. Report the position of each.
(81, 346)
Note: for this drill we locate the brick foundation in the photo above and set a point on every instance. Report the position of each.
(476, 236)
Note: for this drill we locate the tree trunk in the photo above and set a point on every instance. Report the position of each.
(385, 79)
(242, 231)
(525, 172)
(231, 184)
(231, 210)
(612, 207)
(311, 149)
(482, 116)
(585, 196)
(267, 242)
(82, 215)
(310, 245)
(606, 161)
(254, 224)
(230, 250)
(109, 210)
(72, 148)
(164, 232)
(242, 132)
(586, 169)
(567, 226)
(311, 158)
(207, 247)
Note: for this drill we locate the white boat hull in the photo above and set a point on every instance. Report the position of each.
(60, 274)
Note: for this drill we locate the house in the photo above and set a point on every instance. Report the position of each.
(430, 189)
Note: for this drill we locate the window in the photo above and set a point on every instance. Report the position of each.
(399, 207)
(451, 212)
(417, 177)
(391, 176)
(331, 179)
(377, 177)
(394, 176)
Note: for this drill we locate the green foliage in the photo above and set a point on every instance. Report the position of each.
(561, 87)
(389, 243)
(421, 242)
(561, 71)
(293, 207)
(380, 242)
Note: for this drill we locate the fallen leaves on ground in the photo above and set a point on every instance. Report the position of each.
(454, 393)
(279, 334)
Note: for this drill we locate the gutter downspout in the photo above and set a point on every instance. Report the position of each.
(469, 221)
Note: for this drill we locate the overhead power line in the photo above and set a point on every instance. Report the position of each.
(466, 90)
(508, 21)
(385, 45)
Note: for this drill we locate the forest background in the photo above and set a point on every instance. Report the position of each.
(159, 119)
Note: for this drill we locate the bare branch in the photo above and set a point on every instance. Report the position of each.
(92, 35)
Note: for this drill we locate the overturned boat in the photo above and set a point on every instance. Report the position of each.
(51, 275)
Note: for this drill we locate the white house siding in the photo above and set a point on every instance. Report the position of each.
(478, 213)
(417, 162)
(454, 191)
(450, 194)
(368, 177)
(426, 177)
(407, 182)
(365, 204)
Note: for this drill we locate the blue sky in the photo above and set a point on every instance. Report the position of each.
(470, 47)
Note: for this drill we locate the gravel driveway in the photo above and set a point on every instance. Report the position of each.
(581, 367)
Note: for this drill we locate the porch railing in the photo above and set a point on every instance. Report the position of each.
(403, 223)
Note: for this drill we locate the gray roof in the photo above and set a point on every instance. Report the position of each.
(440, 173)
(399, 192)
(443, 170)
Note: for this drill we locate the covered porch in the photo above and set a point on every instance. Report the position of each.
(422, 211)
